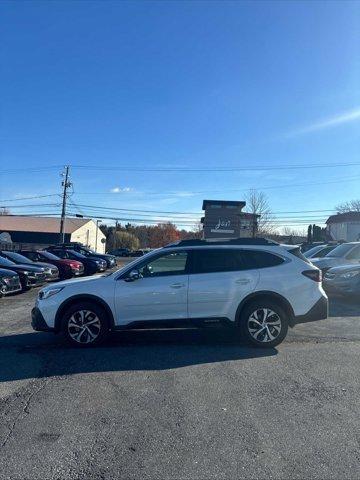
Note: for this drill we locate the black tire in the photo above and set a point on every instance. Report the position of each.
(276, 324)
(99, 328)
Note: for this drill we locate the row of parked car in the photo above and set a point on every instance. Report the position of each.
(340, 265)
(23, 269)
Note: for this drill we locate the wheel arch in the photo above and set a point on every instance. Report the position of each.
(80, 298)
(266, 295)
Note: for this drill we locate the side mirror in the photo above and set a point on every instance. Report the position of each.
(133, 275)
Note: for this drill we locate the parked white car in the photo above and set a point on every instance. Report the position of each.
(256, 286)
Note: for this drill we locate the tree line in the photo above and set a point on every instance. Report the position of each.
(134, 237)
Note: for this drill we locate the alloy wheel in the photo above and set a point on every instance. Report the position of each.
(84, 326)
(264, 325)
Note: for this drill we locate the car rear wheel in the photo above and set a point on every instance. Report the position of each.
(85, 324)
(264, 324)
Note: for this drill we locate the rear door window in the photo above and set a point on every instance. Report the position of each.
(217, 260)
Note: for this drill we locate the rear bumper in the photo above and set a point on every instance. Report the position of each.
(37, 321)
(319, 311)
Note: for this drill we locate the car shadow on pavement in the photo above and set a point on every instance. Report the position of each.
(34, 355)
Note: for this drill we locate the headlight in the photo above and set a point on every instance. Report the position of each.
(350, 274)
(44, 294)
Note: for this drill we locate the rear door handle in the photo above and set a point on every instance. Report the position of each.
(242, 281)
(177, 285)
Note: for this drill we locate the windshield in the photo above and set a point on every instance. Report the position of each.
(76, 254)
(341, 250)
(16, 257)
(4, 262)
(49, 256)
(313, 250)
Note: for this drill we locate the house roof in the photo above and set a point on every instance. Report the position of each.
(18, 223)
(344, 217)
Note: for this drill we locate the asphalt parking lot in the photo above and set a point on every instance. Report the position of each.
(180, 404)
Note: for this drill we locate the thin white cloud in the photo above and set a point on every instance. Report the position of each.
(119, 189)
(329, 122)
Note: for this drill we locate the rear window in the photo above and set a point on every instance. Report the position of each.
(260, 259)
(232, 260)
(341, 250)
(297, 253)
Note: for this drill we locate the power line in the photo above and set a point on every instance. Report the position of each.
(218, 169)
(29, 198)
(174, 215)
(32, 205)
(237, 190)
(30, 169)
(159, 213)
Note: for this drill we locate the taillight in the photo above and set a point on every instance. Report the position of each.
(315, 275)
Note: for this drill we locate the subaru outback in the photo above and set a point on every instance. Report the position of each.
(257, 287)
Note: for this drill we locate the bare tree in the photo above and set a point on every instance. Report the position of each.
(351, 206)
(293, 232)
(4, 211)
(257, 204)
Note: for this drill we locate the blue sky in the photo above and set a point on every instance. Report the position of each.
(193, 85)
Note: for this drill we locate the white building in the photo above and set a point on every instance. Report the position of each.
(38, 231)
(344, 226)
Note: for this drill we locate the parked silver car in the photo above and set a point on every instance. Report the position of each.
(319, 251)
(345, 254)
(343, 280)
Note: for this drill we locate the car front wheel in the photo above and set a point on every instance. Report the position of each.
(264, 324)
(85, 324)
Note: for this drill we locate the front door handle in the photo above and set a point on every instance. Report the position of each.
(242, 281)
(177, 285)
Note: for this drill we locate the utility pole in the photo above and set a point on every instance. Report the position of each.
(66, 184)
(96, 234)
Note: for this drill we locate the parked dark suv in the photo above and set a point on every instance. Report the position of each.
(87, 252)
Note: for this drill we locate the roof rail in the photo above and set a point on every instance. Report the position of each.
(232, 241)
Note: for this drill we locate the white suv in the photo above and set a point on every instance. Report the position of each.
(258, 287)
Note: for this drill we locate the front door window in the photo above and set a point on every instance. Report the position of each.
(170, 264)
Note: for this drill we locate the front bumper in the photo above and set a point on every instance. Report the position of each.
(53, 275)
(36, 280)
(319, 311)
(37, 321)
(7, 289)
